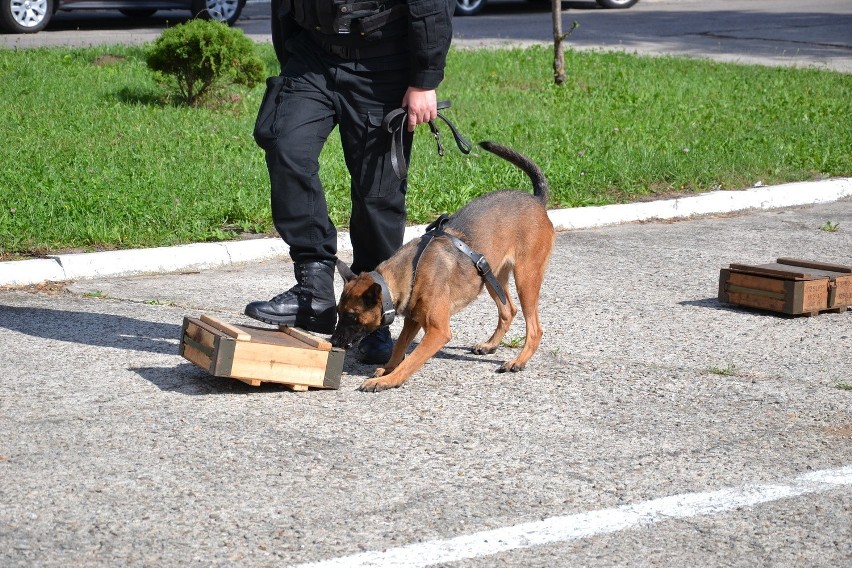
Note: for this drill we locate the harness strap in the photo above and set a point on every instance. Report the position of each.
(394, 123)
(436, 229)
(481, 265)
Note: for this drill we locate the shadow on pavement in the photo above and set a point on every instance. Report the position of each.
(92, 328)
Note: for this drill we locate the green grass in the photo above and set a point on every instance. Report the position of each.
(94, 156)
(729, 371)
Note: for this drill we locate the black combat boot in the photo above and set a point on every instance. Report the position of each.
(376, 348)
(310, 304)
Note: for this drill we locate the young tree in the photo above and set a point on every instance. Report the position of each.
(558, 38)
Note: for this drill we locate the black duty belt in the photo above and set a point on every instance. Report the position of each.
(395, 124)
(436, 229)
(381, 49)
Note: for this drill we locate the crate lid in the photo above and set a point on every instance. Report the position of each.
(795, 269)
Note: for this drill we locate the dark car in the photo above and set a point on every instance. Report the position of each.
(472, 7)
(29, 16)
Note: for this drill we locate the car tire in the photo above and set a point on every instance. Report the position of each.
(621, 4)
(138, 14)
(225, 11)
(469, 7)
(25, 16)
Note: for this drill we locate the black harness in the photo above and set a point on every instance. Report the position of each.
(434, 230)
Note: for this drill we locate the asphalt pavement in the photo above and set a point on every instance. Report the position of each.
(655, 425)
(119, 452)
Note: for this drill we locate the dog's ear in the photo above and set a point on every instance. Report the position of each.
(372, 296)
(345, 272)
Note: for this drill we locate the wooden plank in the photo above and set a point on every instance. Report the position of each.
(814, 296)
(197, 345)
(305, 337)
(334, 368)
(814, 264)
(770, 270)
(201, 333)
(755, 301)
(298, 366)
(230, 330)
(270, 336)
(842, 291)
(756, 282)
(724, 274)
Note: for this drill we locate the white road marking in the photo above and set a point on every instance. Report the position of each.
(602, 521)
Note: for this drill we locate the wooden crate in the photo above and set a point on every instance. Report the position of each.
(256, 355)
(788, 285)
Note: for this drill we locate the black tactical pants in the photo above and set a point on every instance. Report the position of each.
(315, 92)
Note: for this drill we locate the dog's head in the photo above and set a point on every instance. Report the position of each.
(359, 311)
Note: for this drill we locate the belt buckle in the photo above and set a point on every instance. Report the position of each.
(482, 265)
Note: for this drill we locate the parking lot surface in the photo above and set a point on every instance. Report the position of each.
(118, 451)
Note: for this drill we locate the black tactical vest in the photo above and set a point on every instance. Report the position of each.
(345, 16)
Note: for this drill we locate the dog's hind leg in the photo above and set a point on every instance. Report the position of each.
(528, 282)
(505, 315)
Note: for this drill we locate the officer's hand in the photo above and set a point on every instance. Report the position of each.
(422, 106)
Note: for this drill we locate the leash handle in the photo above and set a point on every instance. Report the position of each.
(394, 124)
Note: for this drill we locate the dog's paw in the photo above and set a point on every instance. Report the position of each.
(380, 372)
(374, 385)
(510, 367)
(483, 349)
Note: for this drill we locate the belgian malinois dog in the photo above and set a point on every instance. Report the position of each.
(428, 283)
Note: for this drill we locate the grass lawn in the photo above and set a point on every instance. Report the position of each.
(93, 155)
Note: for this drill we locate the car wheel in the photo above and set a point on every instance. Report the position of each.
(138, 14)
(469, 7)
(617, 3)
(25, 16)
(225, 11)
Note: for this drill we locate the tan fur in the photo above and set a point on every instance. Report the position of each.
(510, 228)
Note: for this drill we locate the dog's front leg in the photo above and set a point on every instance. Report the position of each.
(410, 329)
(433, 340)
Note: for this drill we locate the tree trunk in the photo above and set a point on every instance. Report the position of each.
(558, 38)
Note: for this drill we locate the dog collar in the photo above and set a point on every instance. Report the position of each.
(388, 309)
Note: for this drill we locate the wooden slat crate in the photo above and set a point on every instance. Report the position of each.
(788, 285)
(256, 355)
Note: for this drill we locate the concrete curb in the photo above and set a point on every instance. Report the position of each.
(210, 255)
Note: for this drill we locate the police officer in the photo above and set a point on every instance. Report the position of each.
(344, 63)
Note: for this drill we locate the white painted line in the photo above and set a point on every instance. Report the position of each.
(581, 525)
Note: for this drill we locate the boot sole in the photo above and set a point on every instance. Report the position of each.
(316, 325)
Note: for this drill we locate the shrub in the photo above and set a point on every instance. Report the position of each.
(201, 57)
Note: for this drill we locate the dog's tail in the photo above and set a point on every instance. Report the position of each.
(540, 188)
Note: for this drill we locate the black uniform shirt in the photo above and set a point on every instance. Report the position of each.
(428, 30)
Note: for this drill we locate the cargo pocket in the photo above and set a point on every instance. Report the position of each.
(264, 126)
(377, 179)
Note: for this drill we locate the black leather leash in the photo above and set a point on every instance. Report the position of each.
(436, 229)
(395, 124)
